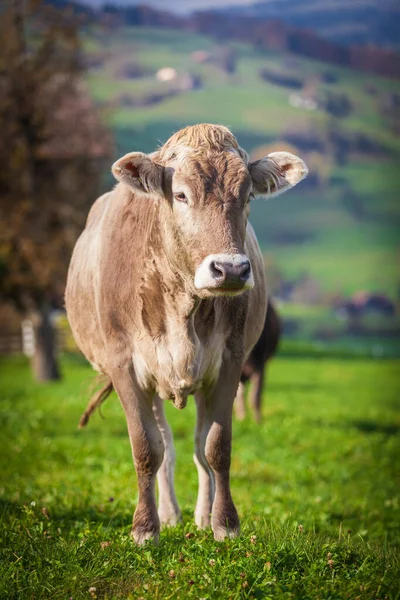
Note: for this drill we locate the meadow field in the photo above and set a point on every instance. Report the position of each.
(344, 232)
(316, 486)
(317, 483)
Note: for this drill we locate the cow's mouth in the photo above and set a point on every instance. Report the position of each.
(227, 291)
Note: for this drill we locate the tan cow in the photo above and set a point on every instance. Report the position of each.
(166, 296)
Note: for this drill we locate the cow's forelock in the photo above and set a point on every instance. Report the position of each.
(206, 137)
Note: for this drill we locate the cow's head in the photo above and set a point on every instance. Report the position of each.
(204, 182)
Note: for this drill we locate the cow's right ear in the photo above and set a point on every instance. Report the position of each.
(140, 173)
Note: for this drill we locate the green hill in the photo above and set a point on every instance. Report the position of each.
(341, 229)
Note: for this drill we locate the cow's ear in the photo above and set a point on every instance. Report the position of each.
(140, 173)
(276, 173)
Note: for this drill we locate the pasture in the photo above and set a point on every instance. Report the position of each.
(316, 487)
(351, 219)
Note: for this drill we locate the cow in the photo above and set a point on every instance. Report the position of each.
(166, 296)
(254, 368)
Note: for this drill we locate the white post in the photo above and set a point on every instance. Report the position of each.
(28, 338)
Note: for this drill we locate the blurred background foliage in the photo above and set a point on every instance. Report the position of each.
(309, 81)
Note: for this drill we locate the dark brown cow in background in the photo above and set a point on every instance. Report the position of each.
(166, 296)
(255, 366)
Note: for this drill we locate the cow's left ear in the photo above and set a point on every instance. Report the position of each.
(140, 173)
(276, 173)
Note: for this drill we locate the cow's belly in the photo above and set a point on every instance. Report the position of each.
(175, 369)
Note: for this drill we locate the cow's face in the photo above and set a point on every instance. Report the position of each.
(209, 194)
(204, 201)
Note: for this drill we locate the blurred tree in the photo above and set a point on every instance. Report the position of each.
(338, 105)
(50, 146)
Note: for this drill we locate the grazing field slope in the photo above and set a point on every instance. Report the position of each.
(342, 230)
(316, 486)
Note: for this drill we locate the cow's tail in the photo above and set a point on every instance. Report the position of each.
(96, 400)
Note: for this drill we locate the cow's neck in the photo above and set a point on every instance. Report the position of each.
(176, 336)
(164, 294)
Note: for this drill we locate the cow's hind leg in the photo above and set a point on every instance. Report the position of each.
(168, 509)
(147, 449)
(255, 395)
(240, 402)
(205, 495)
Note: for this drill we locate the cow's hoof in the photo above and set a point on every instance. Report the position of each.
(141, 537)
(146, 524)
(221, 533)
(225, 522)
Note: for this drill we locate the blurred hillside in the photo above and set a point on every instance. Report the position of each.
(331, 245)
(356, 22)
(335, 235)
(341, 226)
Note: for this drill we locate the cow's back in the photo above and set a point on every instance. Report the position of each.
(105, 272)
(81, 283)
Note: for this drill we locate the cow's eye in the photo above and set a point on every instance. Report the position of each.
(180, 196)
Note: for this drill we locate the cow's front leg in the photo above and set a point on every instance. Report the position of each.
(168, 509)
(218, 425)
(147, 449)
(205, 495)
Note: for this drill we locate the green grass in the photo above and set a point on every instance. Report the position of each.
(316, 482)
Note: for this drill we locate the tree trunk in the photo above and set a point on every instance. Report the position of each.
(44, 361)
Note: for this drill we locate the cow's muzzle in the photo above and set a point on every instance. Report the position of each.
(224, 273)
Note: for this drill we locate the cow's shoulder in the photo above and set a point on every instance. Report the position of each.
(97, 209)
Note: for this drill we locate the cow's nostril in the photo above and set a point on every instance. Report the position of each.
(217, 270)
(246, 270)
